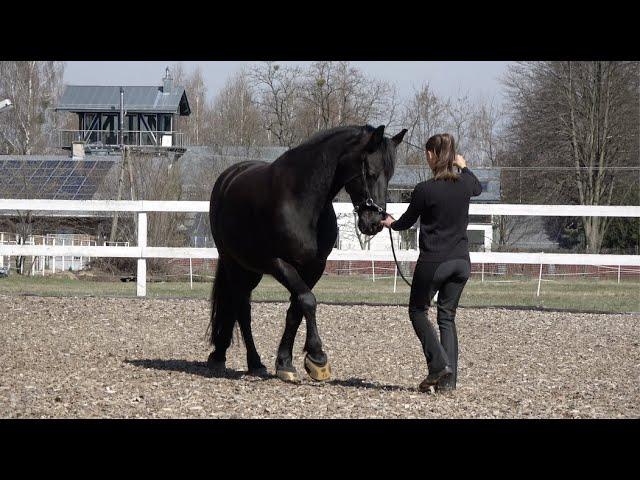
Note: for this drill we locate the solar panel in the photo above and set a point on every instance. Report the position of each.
(52, 178)
(88, 164)
(76, 180)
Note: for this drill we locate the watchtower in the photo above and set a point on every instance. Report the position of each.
(140, 118)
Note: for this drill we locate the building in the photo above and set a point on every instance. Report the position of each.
(111, 120)
(406, 177)
(143, 118)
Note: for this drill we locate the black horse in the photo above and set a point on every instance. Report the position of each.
(278, 219)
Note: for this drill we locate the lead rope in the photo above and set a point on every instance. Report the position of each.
(396, 259)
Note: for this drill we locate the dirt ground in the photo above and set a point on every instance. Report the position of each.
(132, 358)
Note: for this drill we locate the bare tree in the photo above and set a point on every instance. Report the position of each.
(336, 93)
(424, 115)
(486, 142)
(459, 115)
(159, 178)
(579, 114)
(235, 117)
(34, 88)
(197, 125)
(278, 92)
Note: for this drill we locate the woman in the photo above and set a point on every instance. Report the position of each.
(442, 203)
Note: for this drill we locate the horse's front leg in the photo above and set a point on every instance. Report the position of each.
(303, 303)
(315, 362)
(284, 360)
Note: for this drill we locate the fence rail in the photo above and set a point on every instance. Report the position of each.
(143, 252)
(137, 138)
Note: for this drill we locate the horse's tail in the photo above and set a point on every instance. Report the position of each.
(223, 316)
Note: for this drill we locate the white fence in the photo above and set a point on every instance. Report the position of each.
(143, 252)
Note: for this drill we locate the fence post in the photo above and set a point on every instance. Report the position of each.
(482, 278)
(43, 259)
(1, 243)
(539, 276)
(53, 269)
(33, 259)
(488, 236)
(190, 273)
(141, 277)
(618, 274)
(395, 278)
(373, 270)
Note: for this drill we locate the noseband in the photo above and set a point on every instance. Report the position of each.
(368, 203)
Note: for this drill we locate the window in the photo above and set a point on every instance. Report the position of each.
(91, 123)
(132, 125)
(164, 122)
(405, 196)
(132, 122)
(151, 122)
(109, 127)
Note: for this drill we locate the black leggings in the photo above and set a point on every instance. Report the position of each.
(448, 278)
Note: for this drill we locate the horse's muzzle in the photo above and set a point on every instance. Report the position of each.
(369, 221)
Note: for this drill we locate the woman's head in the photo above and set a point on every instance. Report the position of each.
(441, 152)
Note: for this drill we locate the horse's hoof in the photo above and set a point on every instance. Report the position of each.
(217, 366)
(319, 373)
(258, 372)
(287, 376)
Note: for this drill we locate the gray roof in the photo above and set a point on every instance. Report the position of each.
(529, 232)
(55, 177)
(93, 98)
(198, 158)
(406, 177)
(234, 152)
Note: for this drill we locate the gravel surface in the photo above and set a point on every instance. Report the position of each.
(130, 358)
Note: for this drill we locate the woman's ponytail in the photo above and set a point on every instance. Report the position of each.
(444, 147)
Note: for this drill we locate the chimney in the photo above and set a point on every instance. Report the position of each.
(167, 82)
(77, 151)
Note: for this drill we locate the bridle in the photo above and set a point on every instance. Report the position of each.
(368, 202)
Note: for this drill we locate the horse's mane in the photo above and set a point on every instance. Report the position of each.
(324, 135)
(355, 130)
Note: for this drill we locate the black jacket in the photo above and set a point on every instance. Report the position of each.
(443, 208)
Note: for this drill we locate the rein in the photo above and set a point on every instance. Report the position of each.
(396, 260)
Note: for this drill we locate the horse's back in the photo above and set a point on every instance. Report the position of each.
(228, 176)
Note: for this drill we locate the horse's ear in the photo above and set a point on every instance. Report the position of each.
(398, 138)
(375, 139)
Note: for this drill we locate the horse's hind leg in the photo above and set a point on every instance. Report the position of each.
(222, 317)
(243, 309)
(244, 282)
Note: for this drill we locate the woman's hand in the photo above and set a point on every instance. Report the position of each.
(460, 162)
(388, 221)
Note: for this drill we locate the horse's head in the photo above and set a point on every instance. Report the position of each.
(375, 163)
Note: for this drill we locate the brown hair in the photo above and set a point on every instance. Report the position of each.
(444, 147)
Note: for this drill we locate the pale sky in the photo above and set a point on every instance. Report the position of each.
(477, 79)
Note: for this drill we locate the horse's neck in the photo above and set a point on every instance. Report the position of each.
(320, 176)
(334, 177)
(344, 173)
